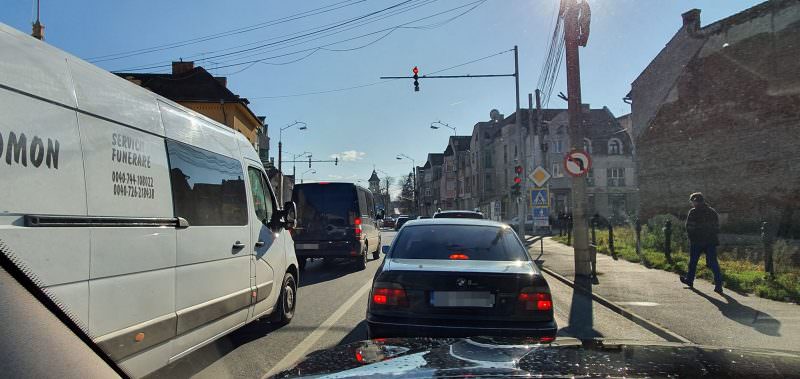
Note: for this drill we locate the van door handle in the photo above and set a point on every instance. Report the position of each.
(238, 245)
(259, 243)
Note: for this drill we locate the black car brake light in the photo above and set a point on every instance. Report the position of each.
(389, 294)
(535, 300)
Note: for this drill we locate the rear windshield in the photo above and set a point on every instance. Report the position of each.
(333, 204)
(462, 242)
(458, 215)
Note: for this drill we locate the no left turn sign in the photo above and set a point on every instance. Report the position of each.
(577, 163)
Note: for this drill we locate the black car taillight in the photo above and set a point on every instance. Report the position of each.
(533, 300)
(389, 294)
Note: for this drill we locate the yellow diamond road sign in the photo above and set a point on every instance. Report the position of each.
(539, 176)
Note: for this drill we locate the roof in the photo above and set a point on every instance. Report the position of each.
(435, 159)
(374, 177)
(195, 84)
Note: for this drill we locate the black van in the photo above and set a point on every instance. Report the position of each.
(335, 220)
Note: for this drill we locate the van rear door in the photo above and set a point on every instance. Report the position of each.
(325, 212)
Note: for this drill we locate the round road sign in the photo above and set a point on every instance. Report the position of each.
(577, 163)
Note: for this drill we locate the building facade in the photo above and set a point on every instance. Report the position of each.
(718, 111)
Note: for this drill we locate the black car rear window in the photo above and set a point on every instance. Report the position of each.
(458, 242)
(333, 203)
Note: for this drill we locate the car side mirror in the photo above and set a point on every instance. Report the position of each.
(289, 214)
(385, 249)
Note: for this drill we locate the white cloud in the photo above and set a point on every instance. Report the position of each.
(349, 155)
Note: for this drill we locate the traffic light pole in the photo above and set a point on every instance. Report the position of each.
(521, 204)
(580, 230)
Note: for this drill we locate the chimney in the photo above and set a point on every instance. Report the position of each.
(181, 67)
(222, 80)
(691, 20)
(585, 107)
(38, 30)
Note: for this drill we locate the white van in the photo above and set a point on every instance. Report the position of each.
(153, 226)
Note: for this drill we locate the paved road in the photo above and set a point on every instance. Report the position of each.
(332, 301)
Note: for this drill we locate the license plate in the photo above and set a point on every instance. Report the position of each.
(462, 299)
(308, 246)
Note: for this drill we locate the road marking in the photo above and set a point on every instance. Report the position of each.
(304, 346)
(639, 303)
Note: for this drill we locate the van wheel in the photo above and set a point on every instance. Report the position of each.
(286, 302)
(361, 262)
(377, 253)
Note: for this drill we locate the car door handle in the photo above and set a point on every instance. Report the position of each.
(259, 243)
(238, 245)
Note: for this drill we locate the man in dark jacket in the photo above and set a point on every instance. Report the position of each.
(702, 226)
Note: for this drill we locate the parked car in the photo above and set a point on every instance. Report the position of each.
(459, 277)
(335, 220)
(402, 219)
(156, 227)
(459, 214)
(388, 222)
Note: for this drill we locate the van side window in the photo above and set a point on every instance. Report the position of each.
(207, 188)
(362, 203)
(261, 198)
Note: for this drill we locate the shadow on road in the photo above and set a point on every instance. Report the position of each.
(200, 359)
(736, 311)
(319, 271)
(581, 314)
(358, 333)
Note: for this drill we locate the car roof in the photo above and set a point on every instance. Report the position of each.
(455, 221)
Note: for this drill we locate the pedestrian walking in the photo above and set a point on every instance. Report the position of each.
(702, 226)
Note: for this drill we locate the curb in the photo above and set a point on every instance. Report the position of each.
(639, 320)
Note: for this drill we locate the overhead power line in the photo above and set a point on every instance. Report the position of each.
(193, 41)
(281, 40)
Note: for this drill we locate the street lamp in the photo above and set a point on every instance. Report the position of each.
(433, 126)
(312, 171)
(302, 126)
(414, 178)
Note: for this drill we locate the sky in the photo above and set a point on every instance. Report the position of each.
(313, 81)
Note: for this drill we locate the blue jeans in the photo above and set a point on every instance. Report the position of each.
(711, 261)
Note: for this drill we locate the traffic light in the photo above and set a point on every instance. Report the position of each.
(309, 161)
(516, 188)
(416, 76)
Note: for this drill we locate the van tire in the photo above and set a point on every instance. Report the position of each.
(361, 261)
(377, 253)
(287, 301)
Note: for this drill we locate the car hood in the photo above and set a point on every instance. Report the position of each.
(496, 267)
(511, 357)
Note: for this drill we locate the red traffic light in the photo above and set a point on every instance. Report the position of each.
(517, 180)
(415, 70)
(518, 169)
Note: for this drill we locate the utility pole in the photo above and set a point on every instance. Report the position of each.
(575, 34)
(521, 208)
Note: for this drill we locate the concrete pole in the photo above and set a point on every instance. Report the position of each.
(580, 231)
(520, 151)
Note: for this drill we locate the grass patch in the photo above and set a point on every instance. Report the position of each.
(737, 275)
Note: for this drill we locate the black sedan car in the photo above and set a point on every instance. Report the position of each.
(459, 277)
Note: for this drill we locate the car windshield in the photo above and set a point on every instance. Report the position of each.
(222, 189)
(458, 242)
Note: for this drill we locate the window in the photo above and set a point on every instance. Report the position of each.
(488, 182)
(207, 188)
(617, 204)
(487, 159)
(587, 145)
(614, 146)
(558, 146)
(616, 177)
(469, 242)
(557, 170)
(262, 200)
(590, 178)
(505, 153)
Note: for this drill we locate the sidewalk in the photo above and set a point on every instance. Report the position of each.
(700, 315)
